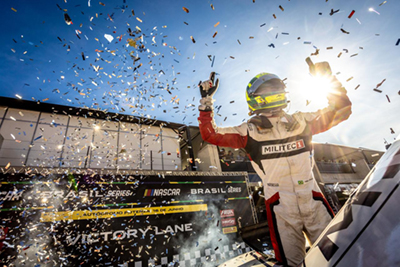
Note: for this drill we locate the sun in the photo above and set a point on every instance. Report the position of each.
(315, 90)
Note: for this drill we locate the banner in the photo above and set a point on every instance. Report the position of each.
(123, 220)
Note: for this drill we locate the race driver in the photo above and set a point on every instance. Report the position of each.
(280, 149)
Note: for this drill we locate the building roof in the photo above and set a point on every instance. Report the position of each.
(84, 112)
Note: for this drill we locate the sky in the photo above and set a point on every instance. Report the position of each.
(160, 50)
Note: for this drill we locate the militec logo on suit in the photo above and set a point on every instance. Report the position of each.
(280, 148)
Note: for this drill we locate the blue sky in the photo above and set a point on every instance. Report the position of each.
(36, 64)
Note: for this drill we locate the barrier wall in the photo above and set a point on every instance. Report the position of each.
(136, 219)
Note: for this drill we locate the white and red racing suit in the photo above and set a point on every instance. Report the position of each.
(282, 157)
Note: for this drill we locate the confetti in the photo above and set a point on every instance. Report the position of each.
(216, 24)
(398, 42)
(215, 34)
(380, 84)
(351, 14)
(344, 31)
(185, 9)
(193, 40)
(373, 10)
(388, 99)
(333, 12)
(109, 37)
(18, 96)
(377, 90)
(212, 6)
(281, 8)
(274, 16)
(392, 131)
(357, 87)
(67, 19)
(13, 9)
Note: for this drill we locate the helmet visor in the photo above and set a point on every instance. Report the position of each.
(273, 86)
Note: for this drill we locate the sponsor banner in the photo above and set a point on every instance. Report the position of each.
(228, 222)
(227, 213)
(280, 148)
(118, 220)
(103, 191)
(229, 230)
(115, 213)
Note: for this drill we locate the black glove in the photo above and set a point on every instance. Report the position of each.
(208, 88)
(321, 69)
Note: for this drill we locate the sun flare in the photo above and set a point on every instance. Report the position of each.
(316, 90)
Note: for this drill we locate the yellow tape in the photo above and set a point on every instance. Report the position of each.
(115, 213)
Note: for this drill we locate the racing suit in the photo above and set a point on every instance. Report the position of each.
(281, 154)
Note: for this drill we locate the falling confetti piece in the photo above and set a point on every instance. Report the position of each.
(380, 84)
(392, 131)
(44, 100)
(388, 99)
(109, 37)
(215, 34)
(377, 90)
(20, 97)
(8, 165)
(194, 41)
(281, 8)
(398, 42)
(356, 87)
(349, 79)
(274, 16)
(344, 31)
(13, 9)
(212, 6)
(373, 10)
(67, 19)
(102, 4)
(185, 9)
(216, 24)
(333, 12)
(351, 14)
(37, 138)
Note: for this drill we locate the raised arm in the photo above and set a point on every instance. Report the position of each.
(235, 137)
(339, 104)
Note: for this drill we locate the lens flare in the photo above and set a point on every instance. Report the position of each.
(316, 90)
